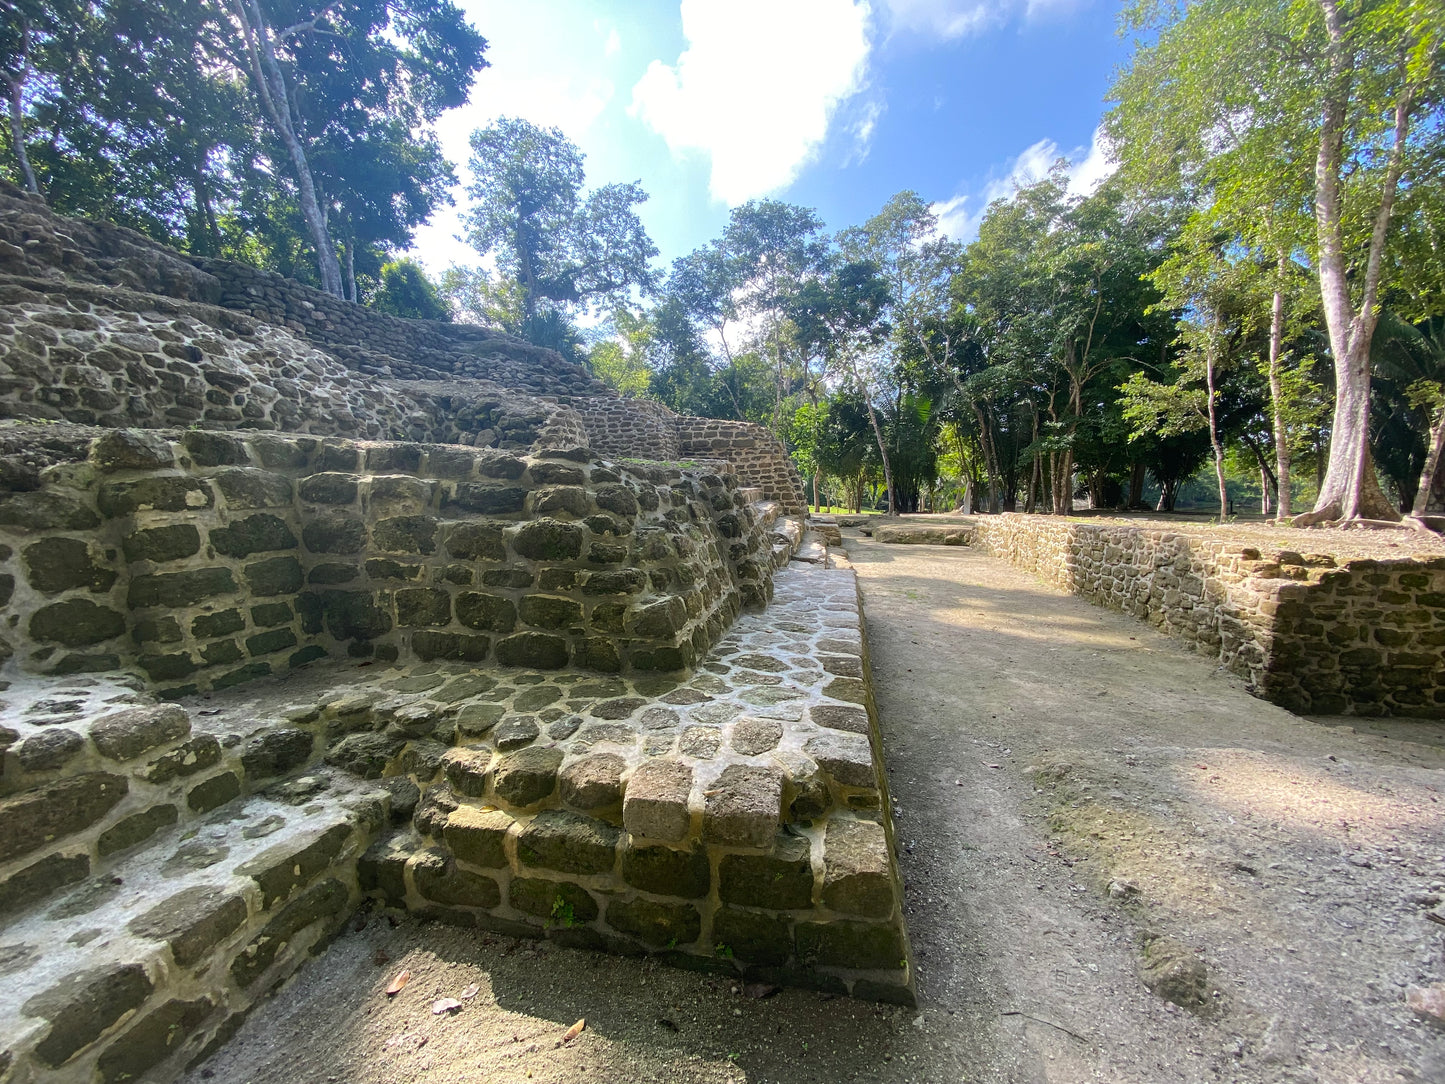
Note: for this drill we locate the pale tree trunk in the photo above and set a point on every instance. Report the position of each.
(878, 435)
(1214, 435)
(1276, 394)
(16, 86)
(276, 102)
(1350, 489)
(1421, 506)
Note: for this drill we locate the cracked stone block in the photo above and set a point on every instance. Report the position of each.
(665, 871)
(327, 901)
(781, 880)
(128, 734)
(655, 923)
(193, 922)
(743, 806)
(282, 868)
(593, 782)
(655, 804)
(35, 818)
(195, 755)
(856, 875)
(848, 758)
(48, 750)
(82, 1006)
(527, 776)
(750, 737)
(568, 843)
(438, 879)
(478, 836)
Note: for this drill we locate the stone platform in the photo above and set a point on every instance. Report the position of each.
(165, 864)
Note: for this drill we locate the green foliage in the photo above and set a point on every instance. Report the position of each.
(405, 290)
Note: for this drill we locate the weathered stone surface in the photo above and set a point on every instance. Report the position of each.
(856, 870)
(848, 758)
(65, 564)
(536, 650)
(282, 868)
(334, 532)
(751, 737)
(162, 544)
(247, 487)
(277, 752)
(450, 646)
(743, 806)
(131, 449)
(477, 542)
(478, 836)
(1175, 973)
(329, 487)
(561, 902)
(134, 732)
(840, 717)
(526, 777)
(367, 754)
(593, 782)
(48, 750)
(193, 922)
(327, 901)
(865, 946)
(568, 843)
(655, 805)
(76, 622)
(160, 493)
(516, 731)
(752, 937)
(254, 534)
(196, 755)
(468, 770)
(665, 871)
(44, 510)
(177, 590)
(382, 868)
(41, 880)
(136, 828)
(437, 878)
(478, 718)
(548, 540)
(153, 1040)
(34, 818)
(702, 742)
(781, 880)
(82, 1006)
(491, 613)
(417, 606)
(547, 612)
(213, 792)
(655, 923)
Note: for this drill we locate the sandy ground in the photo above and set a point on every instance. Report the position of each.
(1068, 786)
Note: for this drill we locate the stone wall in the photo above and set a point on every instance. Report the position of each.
(1362, 637)
(207, 559)
(634, 428)
(39, 249)
(758, 458)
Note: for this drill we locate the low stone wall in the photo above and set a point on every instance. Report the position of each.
(1362, 637)
(206, 559)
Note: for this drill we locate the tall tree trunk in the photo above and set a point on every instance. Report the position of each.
(878, 435)
(349, 247)
(1350, 489)
(276, 102)
(17, 134)
(1263, 491)
(1276, 392)
(1214, 435)
(1421, 506)
(1136, 484)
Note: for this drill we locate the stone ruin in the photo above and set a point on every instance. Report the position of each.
(305, 608)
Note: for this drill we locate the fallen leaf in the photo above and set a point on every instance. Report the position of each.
(445, 1005)
(398, 984)
(470, 992)
(574, 1031)
(759, 990)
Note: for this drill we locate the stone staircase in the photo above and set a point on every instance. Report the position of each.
(164, 865)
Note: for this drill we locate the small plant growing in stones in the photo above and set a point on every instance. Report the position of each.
(562, 913)
(724, 952)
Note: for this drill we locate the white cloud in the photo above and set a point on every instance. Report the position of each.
(756, 87)
(957, 18)
(613, 45)
(960, 216)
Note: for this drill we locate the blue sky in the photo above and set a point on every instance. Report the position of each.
(834, 104)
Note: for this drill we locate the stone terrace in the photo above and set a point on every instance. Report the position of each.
(733, 819)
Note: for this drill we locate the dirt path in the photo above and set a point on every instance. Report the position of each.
(1066, 782)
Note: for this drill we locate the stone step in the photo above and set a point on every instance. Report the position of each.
(137, 973)
(812, 551)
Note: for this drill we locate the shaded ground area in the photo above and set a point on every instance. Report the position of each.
(1066, 785)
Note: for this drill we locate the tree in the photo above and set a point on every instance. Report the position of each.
(406, 291)
(620, 356)
(561, 248)
(1337, 101)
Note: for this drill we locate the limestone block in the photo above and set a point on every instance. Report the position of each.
(478, 836)
(82, 1006)
(568, 843)
(35, 818)
(655, 805)
(743, 806)
(856, 869)
(193, 922)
